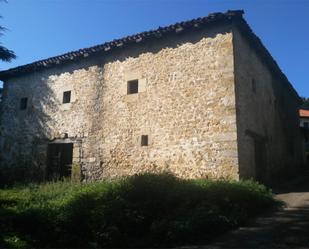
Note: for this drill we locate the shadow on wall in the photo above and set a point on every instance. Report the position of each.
(134, 50)
(171, 41)
(26, 127)
(25, 133)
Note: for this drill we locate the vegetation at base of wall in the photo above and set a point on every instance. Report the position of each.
(75, 172)
(10, 175)
(139, 211)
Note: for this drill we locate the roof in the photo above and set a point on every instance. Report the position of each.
(231, 16)
(304, 113)
(117, 43)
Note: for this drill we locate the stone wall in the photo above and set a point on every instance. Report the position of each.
(185, 104)
(25, 134)
(267, 113)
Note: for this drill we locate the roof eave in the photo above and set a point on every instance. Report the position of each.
(118, 43)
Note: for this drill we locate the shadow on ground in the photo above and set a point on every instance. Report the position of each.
(284, 228)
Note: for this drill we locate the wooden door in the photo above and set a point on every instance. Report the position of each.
(59, 160)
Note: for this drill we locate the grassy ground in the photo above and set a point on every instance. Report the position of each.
(140, 211)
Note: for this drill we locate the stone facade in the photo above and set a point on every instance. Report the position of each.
(194, 102)
(266, 115)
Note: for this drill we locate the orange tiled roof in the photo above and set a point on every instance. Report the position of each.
(304, 113)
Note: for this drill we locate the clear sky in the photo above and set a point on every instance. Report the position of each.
(43, 28)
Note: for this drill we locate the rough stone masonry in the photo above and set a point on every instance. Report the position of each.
(201, 98)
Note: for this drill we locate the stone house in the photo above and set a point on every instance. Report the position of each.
(200, 98)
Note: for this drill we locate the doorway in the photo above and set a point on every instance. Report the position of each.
(59, 160)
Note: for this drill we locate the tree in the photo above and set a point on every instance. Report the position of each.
(305, 104)
(5, 54)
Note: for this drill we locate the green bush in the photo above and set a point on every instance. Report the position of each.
(140, 211)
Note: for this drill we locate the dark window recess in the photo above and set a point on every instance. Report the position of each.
(306, 124)
(23, 103)
(132, 86)
(253, 84)
(66, 97)
(144, 140)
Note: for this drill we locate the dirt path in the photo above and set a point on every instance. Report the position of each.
(287, 228)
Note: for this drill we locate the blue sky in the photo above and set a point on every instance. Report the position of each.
(43, 28)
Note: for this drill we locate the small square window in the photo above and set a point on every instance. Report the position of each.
(132, 87)
(253, 85)
(66, 97)
(23, 103)
(144, 140)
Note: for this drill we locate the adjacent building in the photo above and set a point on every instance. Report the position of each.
(304, 124)
(304, 118)
(200, 98)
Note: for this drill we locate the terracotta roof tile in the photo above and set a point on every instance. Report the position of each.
(304, 113)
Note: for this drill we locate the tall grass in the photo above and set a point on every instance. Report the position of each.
(139, 211)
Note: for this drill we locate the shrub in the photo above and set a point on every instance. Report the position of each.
(139, 211)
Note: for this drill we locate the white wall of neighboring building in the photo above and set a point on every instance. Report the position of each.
(304, 122)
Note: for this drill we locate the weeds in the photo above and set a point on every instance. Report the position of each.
(140, 211)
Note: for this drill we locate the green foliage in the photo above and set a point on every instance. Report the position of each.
(139, 211)
(75, 172)
(14, 242)
(5, 54)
